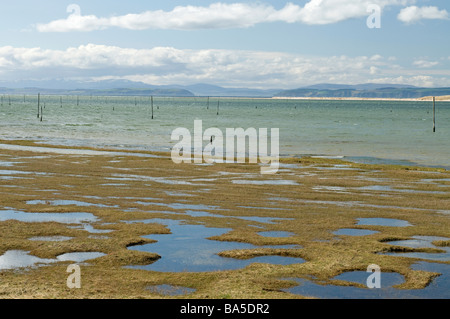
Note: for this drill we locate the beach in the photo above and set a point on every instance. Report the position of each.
(141, 226)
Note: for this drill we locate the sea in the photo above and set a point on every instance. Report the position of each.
(367, 131)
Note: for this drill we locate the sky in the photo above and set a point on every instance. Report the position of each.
(240, 43)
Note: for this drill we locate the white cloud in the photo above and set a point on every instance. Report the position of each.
(413, 14)
(168, 65)
(425, 64)
(221, 16)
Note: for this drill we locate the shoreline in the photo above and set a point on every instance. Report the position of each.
(445, 98)
(62, 149)
(422, 99)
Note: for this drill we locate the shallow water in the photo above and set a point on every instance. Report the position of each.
(264, 182)
(79, 256)
(419, 242)
(8, 164)
(16, 259)
(188, 249)
(64, 151)
(422, 242)
(437, 289)
(13, 172)
(65, 203)
(390, 222)
(50, 238)
(161, 180)
(358, 130)
(65, 218)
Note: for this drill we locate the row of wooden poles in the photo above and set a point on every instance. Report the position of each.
(40, 110)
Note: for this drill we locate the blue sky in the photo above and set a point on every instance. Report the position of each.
(239, 43)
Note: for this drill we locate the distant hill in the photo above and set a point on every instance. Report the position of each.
(398, 92)
(101, 92)
(125, 87)
(134, 88)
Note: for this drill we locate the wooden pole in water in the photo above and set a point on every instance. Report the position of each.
(152, 108)
(207, 105)
(39, 103)
(218, 105)
(41, 113)
(434, 114)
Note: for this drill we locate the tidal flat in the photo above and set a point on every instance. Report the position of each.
(294, 214)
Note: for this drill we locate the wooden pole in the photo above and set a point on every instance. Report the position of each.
(39, 104)
(152, 108)
(434, 114)
(218, 105)
(207, 106)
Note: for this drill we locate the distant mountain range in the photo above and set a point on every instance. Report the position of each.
(364, 91)
(131, 88)
(125, 87)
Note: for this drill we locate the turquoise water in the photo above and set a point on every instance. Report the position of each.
(364, 131)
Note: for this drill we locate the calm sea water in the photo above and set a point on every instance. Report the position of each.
(365, 131)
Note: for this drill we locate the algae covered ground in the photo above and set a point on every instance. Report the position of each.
(120, 199)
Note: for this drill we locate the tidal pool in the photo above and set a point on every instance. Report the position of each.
(14, 259)
(8, 164)
(17, 259)
(64, 218)
(188, 249)
(79, 256)
(264, 182)
(422, 242)
(50, 238)
(65, 203)
(383, 222)
(437, 289)
(161, 180)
